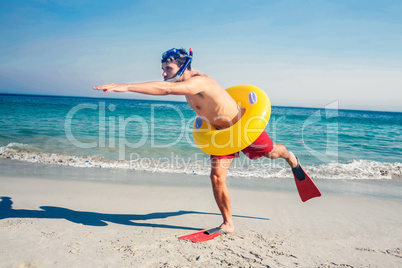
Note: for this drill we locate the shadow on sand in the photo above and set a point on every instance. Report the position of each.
(95, 218)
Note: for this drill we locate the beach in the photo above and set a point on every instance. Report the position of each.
(88, 182)
(55, 216)
(313, 98)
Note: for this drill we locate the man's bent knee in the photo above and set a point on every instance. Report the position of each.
(272, 155)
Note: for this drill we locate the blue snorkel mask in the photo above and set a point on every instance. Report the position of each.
(174, 54)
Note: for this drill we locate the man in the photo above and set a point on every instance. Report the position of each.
(210, 101)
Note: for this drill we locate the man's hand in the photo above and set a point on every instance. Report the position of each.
(112, 87)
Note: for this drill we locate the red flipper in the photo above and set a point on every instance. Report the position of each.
(306, 187)
(201, 236)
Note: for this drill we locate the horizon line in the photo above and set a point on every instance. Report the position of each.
(91, 97)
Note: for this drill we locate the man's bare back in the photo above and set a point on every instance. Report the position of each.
(214, 104)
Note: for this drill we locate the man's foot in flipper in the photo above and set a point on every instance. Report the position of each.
(298, 171)
(204, 235)
(305, 185)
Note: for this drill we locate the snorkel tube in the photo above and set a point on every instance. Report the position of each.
(183, 68)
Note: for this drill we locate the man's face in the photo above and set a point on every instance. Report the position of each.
(170, 69)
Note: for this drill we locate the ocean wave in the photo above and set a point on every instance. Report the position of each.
(358, 169)
(352, 170)
(355, 169)
(24, 152)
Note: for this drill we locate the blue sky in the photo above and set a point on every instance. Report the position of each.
(302, 53)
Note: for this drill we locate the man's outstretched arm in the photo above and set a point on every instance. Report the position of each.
(191, 86)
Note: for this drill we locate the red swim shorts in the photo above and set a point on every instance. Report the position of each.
(260, 147)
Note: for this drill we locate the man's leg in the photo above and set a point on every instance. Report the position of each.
(280, 150)
(219, 169)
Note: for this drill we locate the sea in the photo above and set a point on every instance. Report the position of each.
(156, 136)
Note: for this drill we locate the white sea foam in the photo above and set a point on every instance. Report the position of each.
(358, 169)
(355, 169)
(23, 152)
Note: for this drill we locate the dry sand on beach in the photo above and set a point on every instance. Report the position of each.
(68, 223)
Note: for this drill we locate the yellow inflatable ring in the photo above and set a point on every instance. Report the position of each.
(244, 132)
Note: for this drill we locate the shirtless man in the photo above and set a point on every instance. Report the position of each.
(210, 101)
